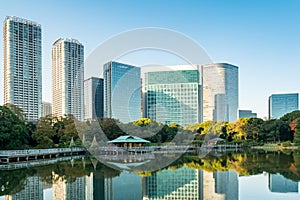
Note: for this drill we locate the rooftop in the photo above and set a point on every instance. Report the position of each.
(128, 139)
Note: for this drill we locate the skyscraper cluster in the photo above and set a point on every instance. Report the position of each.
(187, 95)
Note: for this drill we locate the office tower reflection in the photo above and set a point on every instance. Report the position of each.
(280, 184)
(182, 183)
(68, 189)
(32, 190)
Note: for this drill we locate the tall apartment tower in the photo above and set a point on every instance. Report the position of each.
(67, 78)
(281, 104)
(220, 92)
(122, 91)
(93, 98)
(22, 50)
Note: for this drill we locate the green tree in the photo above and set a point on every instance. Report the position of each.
(45, 132)
(297, 134)
(13, 131)
(16, 110)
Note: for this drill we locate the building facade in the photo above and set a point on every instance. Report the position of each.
(220, 92)
(93, 98)
(247, 114)
(67, 78)
(173, 96)
(22, 50)
(122, 91)
(281, 104)
(46, 108)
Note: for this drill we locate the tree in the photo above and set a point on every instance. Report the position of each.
(16, 110)
(13, 131)
(289, 117)
(45, 132)
(297, 134)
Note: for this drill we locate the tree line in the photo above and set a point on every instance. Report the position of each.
(63, 131)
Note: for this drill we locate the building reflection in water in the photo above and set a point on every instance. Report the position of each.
(33, 189)
(182, 183)
(63, 190)
(186, 183)
(280, 184)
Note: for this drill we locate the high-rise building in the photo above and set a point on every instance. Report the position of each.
(67, 78)
(220, 92)
(173, 96)
(93, 98)
(281, 104)
(247, 114)
(122, 91)
(23, 66)
(182, 183)
(46, 108)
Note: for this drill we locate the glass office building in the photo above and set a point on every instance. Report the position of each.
(173, 96)
(22, 52)
(281, 104)
(247, 114)
(93, 98)
(122, 91)
(220, 92)
(67, 78)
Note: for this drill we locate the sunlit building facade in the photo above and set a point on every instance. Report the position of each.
(220, 92)
(281, 104)
(93, 98)
(22, 51)
(122, 91)
(67, 78)
(173, 96)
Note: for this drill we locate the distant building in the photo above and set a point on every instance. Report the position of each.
(247, 114)
(22, 55)
(46, 109)
(93, 98)
(220, 92)
(173, 96)
(122, 91)
(280, 184)
(67, 78)
(281, 104)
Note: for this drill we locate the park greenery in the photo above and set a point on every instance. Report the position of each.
(63, 131)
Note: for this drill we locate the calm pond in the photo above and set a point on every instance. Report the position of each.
(228, 176)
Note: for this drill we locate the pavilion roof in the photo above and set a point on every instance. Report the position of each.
(129, 139)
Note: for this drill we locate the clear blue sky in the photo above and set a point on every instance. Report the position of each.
(262, 37)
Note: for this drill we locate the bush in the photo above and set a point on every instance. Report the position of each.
(286, 144)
